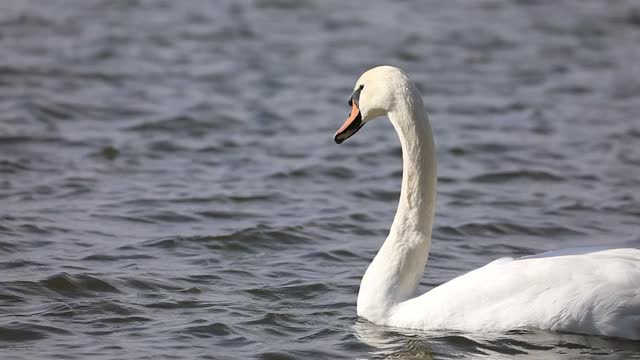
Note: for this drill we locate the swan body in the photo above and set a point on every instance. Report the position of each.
(588, 291)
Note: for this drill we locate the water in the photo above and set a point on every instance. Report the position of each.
(169, 185)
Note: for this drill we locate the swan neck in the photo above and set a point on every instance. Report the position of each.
(395, 272)
(418, 191)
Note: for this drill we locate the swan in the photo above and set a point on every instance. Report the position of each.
(594, 291)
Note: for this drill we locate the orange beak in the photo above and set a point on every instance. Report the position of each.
(351, 126)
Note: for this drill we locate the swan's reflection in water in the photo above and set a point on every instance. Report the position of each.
(393, 343)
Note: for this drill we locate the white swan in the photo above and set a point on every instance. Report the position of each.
(581, 291)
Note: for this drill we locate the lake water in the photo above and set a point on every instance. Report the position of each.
(170, 188)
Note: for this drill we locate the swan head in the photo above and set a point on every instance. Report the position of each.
(373, 96)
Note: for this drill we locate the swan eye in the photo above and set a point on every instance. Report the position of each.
(356, 96)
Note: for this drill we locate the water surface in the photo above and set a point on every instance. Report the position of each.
(169, 185)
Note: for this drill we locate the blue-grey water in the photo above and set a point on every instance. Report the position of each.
(170, 189)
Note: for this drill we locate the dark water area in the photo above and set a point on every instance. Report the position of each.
(170, 189)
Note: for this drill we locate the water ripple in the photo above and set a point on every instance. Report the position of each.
(170, 187)
(73, 285)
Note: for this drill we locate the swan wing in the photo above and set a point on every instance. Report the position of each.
(589, 292)
(580, 250)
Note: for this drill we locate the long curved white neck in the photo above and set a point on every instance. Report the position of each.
(394, 274)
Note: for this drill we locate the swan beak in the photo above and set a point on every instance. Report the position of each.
(351, 126)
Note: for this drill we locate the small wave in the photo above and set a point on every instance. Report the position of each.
(281, 321)
(16, 264)
(5, 246)
(273, 197)
(378, 194)
(136, 219)
(52, 111)
(289, 5)
(105, 257)
(83, 308)
(507, 176)
(246, 240)
(146, 283)
(504, 345)
(9, 298)
(297, 291)
(335, 172)
(157, 217)
(571, 345)
(514, 343)
(72, 285)
(42, 230)
(178, 304)
(27, 21)
(169, 146)
(476, 109)
(13, 167)
(180, 124)
(501, 229)
(302, 291)
(323, 333)
(29, 332)
(40, 139)
(120, 320)
(223, 214)
(170, 216)
(337, 256)
(461, 341)
(208, 330)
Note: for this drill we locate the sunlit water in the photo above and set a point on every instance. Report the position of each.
(169, 186)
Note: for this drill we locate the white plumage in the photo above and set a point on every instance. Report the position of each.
(587, 291)
(593, 293)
